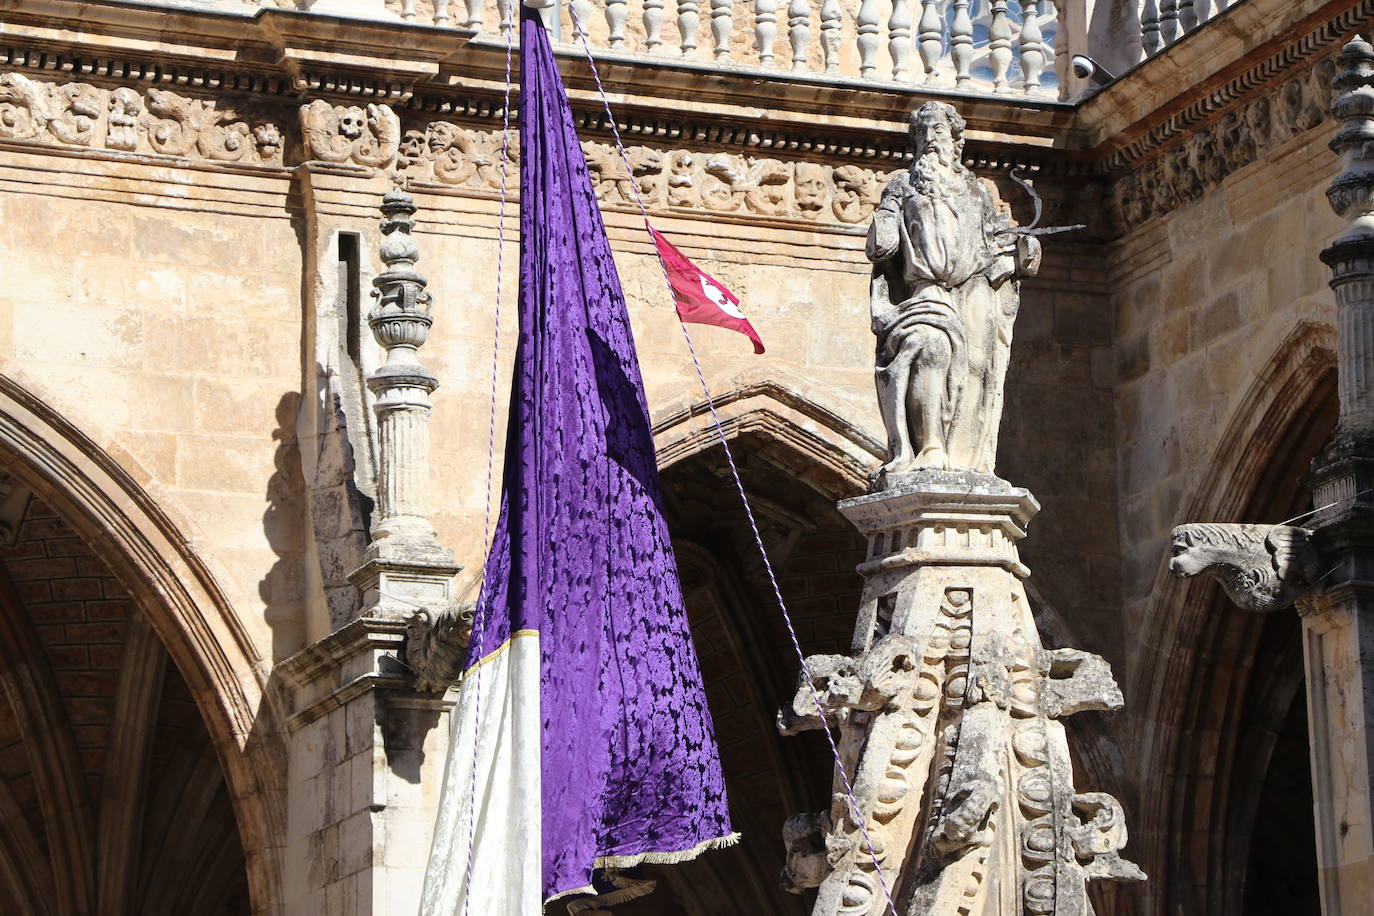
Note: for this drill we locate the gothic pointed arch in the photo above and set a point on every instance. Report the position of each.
(116, 507)
(834, 452)
(1217, 692)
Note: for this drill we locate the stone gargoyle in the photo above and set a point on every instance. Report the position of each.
(1262, 567)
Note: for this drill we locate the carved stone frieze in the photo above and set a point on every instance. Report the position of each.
(1201, 159)
(150, 121)
(721, 182)
(368, 135)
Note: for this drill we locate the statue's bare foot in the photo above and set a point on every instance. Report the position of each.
(933, 456)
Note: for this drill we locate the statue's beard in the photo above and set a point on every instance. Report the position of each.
(936, 174)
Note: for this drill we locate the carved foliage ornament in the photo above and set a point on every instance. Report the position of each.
(154, 121)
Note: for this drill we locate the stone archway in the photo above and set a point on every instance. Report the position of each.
(796, 460)
(111, 506)
(1218, 711)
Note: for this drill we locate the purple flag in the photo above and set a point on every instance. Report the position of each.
(582, 737)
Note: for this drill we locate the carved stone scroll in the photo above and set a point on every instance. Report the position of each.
(366, 136)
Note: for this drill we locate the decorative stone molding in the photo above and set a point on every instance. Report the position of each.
(1186, 170)
(1261, 567)
(148, 121)
(14, 502)
(455, 156)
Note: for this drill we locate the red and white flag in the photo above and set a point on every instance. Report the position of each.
(700, 297)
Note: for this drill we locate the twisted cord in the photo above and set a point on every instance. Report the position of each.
(480, 614)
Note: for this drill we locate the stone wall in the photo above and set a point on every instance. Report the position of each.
(1224, 353)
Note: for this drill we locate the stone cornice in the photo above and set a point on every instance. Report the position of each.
(258, 65)
(1242, 55)
(290, 54)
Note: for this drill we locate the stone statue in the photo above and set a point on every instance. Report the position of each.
(943, 300)
(954, 790)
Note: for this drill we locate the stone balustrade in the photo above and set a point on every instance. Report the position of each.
(1163, 22)
(979, 46)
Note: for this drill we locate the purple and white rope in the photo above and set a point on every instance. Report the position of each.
(855, 814)
(480, 614)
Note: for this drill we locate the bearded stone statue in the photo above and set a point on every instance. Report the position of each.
(944, 297)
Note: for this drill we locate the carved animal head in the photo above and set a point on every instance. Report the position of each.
(169, 104)
(1200, 547)
(1261, 567)
(644, 160)
(268, 138)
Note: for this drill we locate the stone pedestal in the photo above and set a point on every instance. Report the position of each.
(367, 754)
(947, 709)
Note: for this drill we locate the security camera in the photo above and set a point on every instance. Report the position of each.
(1084, 67)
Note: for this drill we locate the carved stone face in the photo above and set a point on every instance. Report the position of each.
(811, 186)
(442, 136)
(1189, 558)
(268, 138)
(937, 130)
(351, 123)
(412, 147)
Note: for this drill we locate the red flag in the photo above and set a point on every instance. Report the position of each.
(700, 297)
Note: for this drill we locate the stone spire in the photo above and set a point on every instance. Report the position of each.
(406, 567)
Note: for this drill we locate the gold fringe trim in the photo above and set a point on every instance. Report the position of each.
(641, 888)
(667, 858)
(649, 858)
(561, 894)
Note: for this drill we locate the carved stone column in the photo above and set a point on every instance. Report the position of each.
(948, 713)
(367, 747)
(1338, 617)
(406, 567)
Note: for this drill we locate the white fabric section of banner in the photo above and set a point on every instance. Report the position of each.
(506, 858)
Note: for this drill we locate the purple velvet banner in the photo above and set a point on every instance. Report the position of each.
(581, 553)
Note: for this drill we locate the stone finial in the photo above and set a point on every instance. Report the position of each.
(1352, 191)
(407, 570)
(1351, 255)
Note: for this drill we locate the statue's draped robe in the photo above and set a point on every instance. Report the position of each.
(938, 263)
